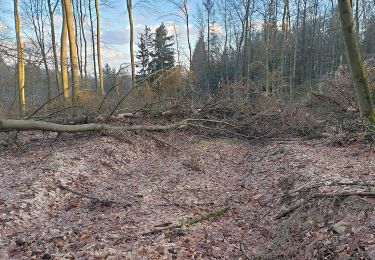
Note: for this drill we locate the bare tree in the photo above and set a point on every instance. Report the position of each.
(51, 11)
(182, 6)
(101, 82)
(129, 5)
(93, 45)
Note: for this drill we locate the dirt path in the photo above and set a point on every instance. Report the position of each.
(158, 182)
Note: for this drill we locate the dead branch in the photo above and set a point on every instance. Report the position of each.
(30, 125)
(208, 216)
(323, 195)
(105, 202)
(166, 144)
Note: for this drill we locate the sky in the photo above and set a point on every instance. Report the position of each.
(115, 26)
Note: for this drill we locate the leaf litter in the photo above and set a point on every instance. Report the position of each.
(104, 197)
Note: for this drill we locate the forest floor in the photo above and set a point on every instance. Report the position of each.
(85, 196)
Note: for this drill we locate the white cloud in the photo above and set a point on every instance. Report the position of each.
(3, 26)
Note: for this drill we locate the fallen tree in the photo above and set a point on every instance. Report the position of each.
(31, 125)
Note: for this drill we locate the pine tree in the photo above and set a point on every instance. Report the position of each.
(199, 62)
(108, 77)
(163, 52)
(143, 54)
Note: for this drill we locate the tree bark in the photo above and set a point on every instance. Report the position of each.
(20, 60)
(30, 125)
(63, 55)
(129, 5)
(101, 82)
(53, 36)
(93, 46)
(73, 49)
(82, 18)
(353, 54)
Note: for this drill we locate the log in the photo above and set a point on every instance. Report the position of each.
(31, 125)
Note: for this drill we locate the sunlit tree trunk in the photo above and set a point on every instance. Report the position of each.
(101, 82)
(72, 48)
(63, 55)
(353, 54)
(54, 49)
(129, 5)
(20, 60)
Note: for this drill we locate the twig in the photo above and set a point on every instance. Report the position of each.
(323, 195)
(211, 215)
(105, 202)
(165, 143)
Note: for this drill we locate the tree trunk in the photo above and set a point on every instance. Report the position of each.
(93, 46)
(244, 62)
(353, 54)
(186, 12)
(53, 36)
(82, 18)
(73, 49)
(101, 82)
(75, 13)
(20, 60)
(63, 55)
(31, 125)
(129, 5)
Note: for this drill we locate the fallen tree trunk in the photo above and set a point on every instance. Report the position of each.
(31, 125)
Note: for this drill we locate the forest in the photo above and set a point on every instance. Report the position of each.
(187, 129)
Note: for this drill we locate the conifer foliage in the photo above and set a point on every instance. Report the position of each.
(155, 51)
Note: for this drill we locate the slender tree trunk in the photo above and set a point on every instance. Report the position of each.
(101, 82)
(55, 59)
(93, 46)
(20, 60)
(292, 82)
(82, 16)
(357, 18)
(73, 50)
(129, 5)
(244, 64)
(63, 54)
(186, 12)
(353, 54)
(285, 30)
(177, 44)
(75, 13)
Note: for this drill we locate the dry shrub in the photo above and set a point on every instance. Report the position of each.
(336, 93)
(159, 92)
(261, 115)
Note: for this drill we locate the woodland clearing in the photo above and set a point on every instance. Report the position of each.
(131, 196)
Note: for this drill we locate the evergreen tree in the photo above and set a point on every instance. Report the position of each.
(143, 54)
(163, 52)
(199, 62)
(108, 77)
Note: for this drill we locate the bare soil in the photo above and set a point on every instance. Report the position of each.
(125, 193)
